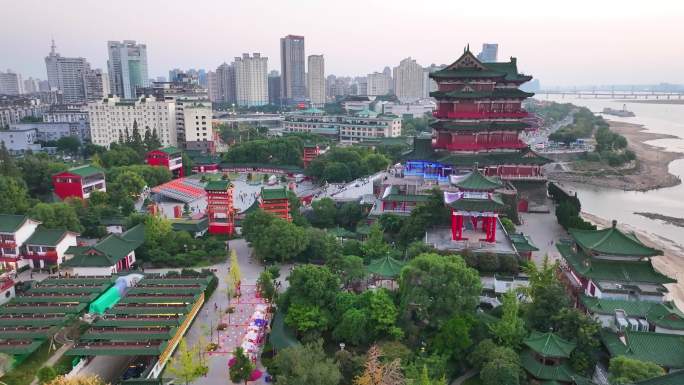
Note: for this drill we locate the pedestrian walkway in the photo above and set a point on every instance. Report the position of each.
(54, 358)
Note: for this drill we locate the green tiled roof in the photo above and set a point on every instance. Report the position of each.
(22, 332)
(386, 267)
(170, 150)
(80, 298)
(340, 232)
(522, 243)
(406, 198)
(109, 349)
(311, 111)
(138, 321)
(494, 203)
(34, 320)
(28, 347)
(284, 167)
(475, 181)
(450, 125)
(366, 113)
(108, 251)
(666, 350)
(506, 70)
(561, 372)
(549, 345)
(86, 170)
(612, 241)
(11, 223)
(497, 93)
(217, 185)
(43, 308)
(137, 309)
(190, 225)
(611, 270)
(663, 314)
(273, 193)
(46, 237)
(673, 378)
(523, 157)
(129, 334)
(253, 207)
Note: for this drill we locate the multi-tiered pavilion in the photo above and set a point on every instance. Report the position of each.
(479, 119)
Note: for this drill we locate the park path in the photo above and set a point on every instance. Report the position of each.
(54, 358)
(463, 377)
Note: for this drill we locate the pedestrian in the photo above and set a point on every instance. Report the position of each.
(215, 307)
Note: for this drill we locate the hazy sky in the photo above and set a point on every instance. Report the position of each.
(559, 42)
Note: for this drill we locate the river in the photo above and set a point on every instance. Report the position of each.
(621, 205)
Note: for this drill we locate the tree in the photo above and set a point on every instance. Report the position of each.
(8, 167)
(68, 145)
(572, 324)
(305, 364)
(546, 292)
(478, 358)
(377, 373)
(351, 269)
(349, 215)
(310, 299)
(242, 368)
(281, 241)
(185, 364)
(324, 211)
(382, 314)
(509, 331)
(77, 380)
(375, 246)
(320, 247)
(453, 338)
(508, 225)
(391, 223)
(37, 171)
(350, 365)
(14, 197)
(234, 274)
(128, 184)
(501, 369)
(265, 284)
(255, 223)
(352, 328)
(57, 215)
(624, 370)
(434, 288)
(46, 374)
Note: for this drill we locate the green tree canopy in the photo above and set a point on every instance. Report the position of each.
(242, 368)
(546, 292)
(434, 288)
(14, 197)
(324, 213)
(510, 330)
(57, 215)
(281, 241)
(624, 370)
(305, 364)
(255, 223)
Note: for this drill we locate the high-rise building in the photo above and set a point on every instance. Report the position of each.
(489, 54)
(429, 85)
(408, 80)
(274, 88)
(388, 72)
(225, 77)
(198, 131)
(127, 67)
(31, 85)
(10, 83)
(43, 86)
(113, 118)
(360, 85)
(316, 80)
(96, 84)
(212, 86)
(378, 84)
(292, 71)
(71, 76)
(251, 80)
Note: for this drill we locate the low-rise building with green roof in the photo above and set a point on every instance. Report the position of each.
(661, 317)
(611, 264)
(196, 227)
(47, 247)
(114, 253)
(665, 350)
(14, 231)
(79, 182)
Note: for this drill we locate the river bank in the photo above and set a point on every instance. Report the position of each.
(671, 263)
(650, 171)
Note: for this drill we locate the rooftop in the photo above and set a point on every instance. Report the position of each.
(549, 345)
(11, 223)
(663, 314)
(46, 237)
(108, 251)
(476, 181)
(86, 170)
(273, 193)
(612, 241)
(386, 267)
(666, 350)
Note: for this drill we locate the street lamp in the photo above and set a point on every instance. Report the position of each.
(342, 345)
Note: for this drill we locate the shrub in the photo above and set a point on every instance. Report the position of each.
(46, 374)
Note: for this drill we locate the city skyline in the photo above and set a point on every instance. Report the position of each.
(582, 45)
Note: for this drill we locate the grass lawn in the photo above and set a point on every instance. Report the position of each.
(475, 380)
(23, 373)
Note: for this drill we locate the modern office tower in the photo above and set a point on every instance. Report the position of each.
(489, 53)
(212, 86)
(112, 119)
(274, 88)
(202, 77)
(378, 84)
(10, 83)
(251, 80)
(225, 76)
(292, 71)
(127, 67)
(408, 80)
(316, 80)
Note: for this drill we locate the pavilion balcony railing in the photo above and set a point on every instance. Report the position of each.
(8, 244)
(479, 115)
(478, 146)
(48, 256)
(522, 177)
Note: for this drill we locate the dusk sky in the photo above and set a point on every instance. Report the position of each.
(560, 43)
